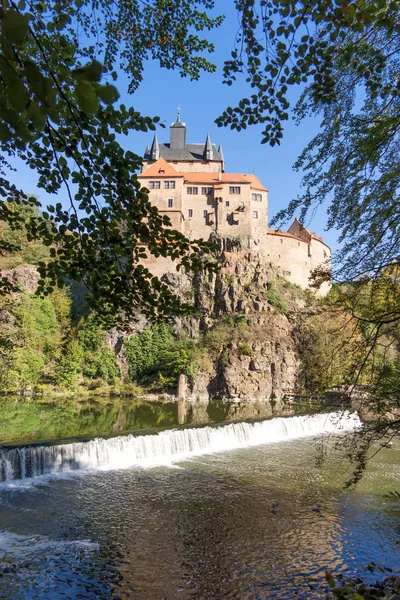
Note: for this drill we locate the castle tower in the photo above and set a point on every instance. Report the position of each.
(177, 135)
(182, 156)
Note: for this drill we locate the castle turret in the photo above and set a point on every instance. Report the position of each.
(208, 149)
(155, 148)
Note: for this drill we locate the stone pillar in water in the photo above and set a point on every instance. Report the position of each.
(182, 387)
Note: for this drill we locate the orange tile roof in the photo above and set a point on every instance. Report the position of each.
(284, 234)
(255, 182)
(295, 237)
(212, 179)
(161, 169)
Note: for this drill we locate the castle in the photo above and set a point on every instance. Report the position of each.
(188, 183)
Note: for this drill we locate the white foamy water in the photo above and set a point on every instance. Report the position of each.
(20, 545)
(165, 447)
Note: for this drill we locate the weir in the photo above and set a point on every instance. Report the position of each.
(165, 447)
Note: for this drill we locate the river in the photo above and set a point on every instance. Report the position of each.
(240, 510)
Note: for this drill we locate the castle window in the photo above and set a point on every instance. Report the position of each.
(193, 190)
(169, 185)
(170, 203)
(298, 243)
(256, 197)
(227, 203)
(255, 214)
(205, 213)
(190, 213)
(234, 189)
(206, 191)
(154, 185)
(281, 241)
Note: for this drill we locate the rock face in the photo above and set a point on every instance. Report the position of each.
(24, 276)
(264, 366)
(261, 361)
(254, 356)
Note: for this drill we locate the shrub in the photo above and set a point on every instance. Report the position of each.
(245, 350)
(276, 300)
(101, 365)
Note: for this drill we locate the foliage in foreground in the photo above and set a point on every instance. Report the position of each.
(58, 114)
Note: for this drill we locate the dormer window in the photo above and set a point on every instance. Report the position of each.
(162, 171)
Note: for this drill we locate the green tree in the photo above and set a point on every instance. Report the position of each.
(70, 366)
(26, 370)
(58, 113)
(155, 353)
(101, 365)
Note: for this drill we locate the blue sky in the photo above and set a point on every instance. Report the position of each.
(162, 91)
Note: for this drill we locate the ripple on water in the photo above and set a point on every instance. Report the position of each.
(263, 522)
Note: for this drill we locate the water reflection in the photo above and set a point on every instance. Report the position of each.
(41, 420)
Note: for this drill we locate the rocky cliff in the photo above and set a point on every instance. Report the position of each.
(245, 331)
(248, 319)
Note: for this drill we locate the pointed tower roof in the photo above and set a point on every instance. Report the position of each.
(208, 148)
(155, 148)
(178, 122)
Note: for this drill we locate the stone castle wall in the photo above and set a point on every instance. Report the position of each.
(199, 166)
(297, 258)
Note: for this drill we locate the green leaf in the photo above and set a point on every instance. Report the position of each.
(330, 580)
(5, 133)
(87, 98)
(17, 94)
(93, 71)
(36, 115)
(108, 94)
(14, 27)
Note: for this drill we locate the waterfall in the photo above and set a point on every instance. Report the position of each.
(164, 447)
